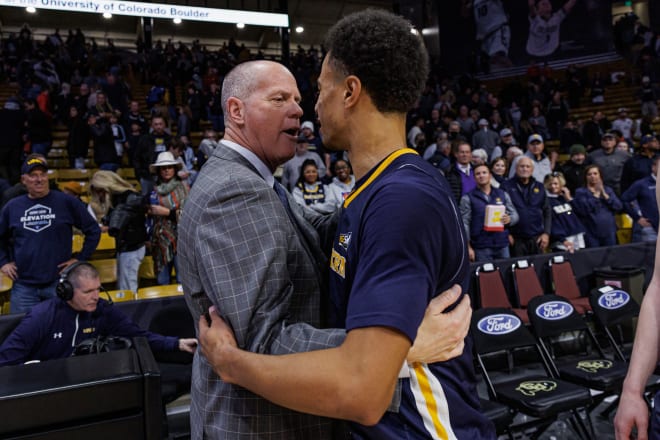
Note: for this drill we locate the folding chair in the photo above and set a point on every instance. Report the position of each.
(501, 415)
(567, 344)
(536, 394)
(564, 284)
(492, 292)
(613, 308)
(525, 282)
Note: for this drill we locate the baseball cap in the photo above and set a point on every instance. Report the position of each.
(609, 134)
(505, 132)
(482, 121)
(646, 139)
(535, 138)
(577, 149)
(307, 124)
(622, 110)
(32, 163)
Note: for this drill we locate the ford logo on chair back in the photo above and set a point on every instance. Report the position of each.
(613, 300)
(498, 324)
(554, 310)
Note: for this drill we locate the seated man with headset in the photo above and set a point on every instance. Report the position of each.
(53, 328)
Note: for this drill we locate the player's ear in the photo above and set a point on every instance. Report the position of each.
(352, 90)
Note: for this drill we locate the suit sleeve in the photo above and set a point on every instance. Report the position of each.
(245, 248)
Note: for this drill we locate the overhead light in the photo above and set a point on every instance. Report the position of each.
(31, 9)
(107, 15)
(177, 20)
(240, 25)
(300, 29)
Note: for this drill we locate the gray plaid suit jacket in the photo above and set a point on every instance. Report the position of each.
(238, 248)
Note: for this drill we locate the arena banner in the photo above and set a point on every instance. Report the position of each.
(504, 33)
(155, 10)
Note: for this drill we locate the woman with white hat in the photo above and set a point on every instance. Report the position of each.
(167, 200)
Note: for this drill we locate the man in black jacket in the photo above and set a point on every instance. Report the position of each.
(148, 148)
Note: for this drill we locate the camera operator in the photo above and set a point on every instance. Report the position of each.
(53, 328)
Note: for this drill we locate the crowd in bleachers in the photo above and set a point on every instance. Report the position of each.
(119, 110)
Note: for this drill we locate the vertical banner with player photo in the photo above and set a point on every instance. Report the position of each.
(486, 35)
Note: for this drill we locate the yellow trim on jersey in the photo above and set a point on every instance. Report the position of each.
(431, 403)
(378, 171)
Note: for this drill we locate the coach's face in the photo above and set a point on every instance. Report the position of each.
(272, 115)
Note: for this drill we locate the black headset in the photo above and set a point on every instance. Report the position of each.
(64, 288)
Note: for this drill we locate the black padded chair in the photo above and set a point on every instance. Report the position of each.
(612, 309)
(536, 394)
(555, 321)
(176, 367)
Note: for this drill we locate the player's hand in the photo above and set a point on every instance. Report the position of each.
(188, 345)
(441, 336)
(543, 241)
(10, 270)
(632, 412)
(217, 343)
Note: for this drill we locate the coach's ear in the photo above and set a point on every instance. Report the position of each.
(236, 110)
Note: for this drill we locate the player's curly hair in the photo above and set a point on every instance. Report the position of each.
(379, 48)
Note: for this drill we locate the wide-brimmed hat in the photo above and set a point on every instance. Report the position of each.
(164, 159)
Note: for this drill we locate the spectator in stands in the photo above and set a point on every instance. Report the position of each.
(148, 148)
(461, 175)
(556, 115)
(538, 122)
(597, 93)
(111, 193)
(596, 205)
(479, 157)
(291, 169)
(610, 161)
(314, 144)
(543, 165)
(498, 170)
(485, 138)
(183, 120)
(570, 135)
(193, 99)
(207, 145)
(488, 232)
(567, 232)
(344, 181)
(639, 202)
(105, 154)
(12, 126)
(78, 138)
(506, 141)
(593, 130)
(35, 236)
(649, 94)
(214, 107)
(532, 233)
(624, 124)
(311, 192)
(38, 128)
(467, 125)
(639, 165)
(171, 194)
(75, 315)
(133, 116)
(573, 169)
(438, 153)
(417, 128)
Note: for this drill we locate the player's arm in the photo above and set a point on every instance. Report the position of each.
(354, 381)
(633, 411)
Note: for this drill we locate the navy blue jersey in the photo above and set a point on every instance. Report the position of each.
(399, 242)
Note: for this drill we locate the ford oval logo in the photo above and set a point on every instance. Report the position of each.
(554, 310)
(613, 300)
(498, 324)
